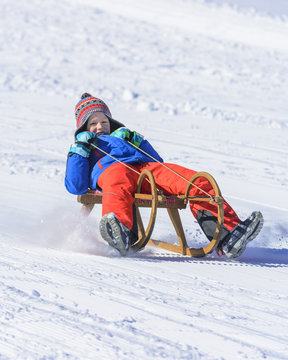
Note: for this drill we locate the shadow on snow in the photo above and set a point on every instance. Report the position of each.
(265, 257)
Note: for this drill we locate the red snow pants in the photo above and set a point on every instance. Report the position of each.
(118, 184)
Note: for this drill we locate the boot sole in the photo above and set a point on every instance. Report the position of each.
(252, 231)
(109, 225)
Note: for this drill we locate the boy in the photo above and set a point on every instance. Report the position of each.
(88, 168)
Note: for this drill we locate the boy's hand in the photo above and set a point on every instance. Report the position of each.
(128, 135)
(82, 143)
(86, 137)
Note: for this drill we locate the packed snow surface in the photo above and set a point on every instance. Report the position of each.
(207, 83)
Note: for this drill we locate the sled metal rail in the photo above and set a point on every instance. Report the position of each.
(173, 204)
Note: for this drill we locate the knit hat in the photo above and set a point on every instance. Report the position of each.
(87, 106)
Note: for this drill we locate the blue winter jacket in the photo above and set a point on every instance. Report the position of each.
(83, 173)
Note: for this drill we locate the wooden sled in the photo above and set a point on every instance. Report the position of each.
(157, 200)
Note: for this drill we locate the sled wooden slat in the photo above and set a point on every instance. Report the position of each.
(157, 200)
(141, 200)
(145, 200)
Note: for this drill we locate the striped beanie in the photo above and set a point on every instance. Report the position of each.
(87, 106)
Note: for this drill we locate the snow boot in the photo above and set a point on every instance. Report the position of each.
(116, 234)
(234, 245)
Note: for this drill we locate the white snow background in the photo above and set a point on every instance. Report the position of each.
(207, 83)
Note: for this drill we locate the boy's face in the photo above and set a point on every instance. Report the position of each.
(98, 123)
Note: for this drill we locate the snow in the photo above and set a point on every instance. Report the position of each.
(206, 83)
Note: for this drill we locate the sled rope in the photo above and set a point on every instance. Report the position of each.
(121, 162)
(175, 172)
(167, 167)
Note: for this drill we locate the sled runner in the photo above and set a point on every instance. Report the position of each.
(173, 204)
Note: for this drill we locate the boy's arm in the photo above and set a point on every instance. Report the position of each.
(77, 174)
(78, 167)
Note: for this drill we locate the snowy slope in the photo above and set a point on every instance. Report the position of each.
(206, 83)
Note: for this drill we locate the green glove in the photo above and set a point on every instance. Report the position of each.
(128, 135)
(82, 143)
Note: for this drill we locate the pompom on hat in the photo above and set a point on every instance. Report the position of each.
(89, 105)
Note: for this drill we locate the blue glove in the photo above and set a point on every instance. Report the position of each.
(128, 135)
(82, 143)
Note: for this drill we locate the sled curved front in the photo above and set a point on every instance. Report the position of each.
(144, 235)
(217, 199)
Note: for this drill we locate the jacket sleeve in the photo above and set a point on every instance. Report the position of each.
(148, 148)
(77, 174)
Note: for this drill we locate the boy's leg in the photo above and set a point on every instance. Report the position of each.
(118, 225)
(118, 184)
(172, 184)
(234, 234)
